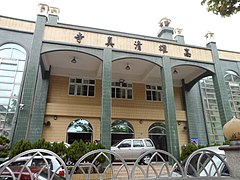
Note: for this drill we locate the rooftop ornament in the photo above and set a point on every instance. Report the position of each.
(164, 22)
(231, 131)
(178, 31)
(209, 37)
(54, 11)
(43, 9)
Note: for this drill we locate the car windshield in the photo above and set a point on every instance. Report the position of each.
(115, 144)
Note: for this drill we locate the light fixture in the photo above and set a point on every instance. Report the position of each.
(55, 117)
(74, 60)
(127, 67)
(175, 71)
(185, 128)
(48, 123)
(121, 81)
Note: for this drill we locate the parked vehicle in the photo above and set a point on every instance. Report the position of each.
(208, 161)
(131, 149)
(39, 161)
(29, 173)
(44, 176)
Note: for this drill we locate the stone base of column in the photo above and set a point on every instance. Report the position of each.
(232, 153)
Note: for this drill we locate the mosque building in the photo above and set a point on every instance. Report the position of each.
(66, 82)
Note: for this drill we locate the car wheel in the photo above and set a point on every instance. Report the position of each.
(146, 159)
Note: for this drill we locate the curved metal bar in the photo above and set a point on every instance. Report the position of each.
(107, 165)
(33, 153)
(153, 165)
(208, 164)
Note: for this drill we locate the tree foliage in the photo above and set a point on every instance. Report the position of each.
(4, 146)
(69, 154)
(75, 151)
(189, 149)
(225, 8)
(20, 146)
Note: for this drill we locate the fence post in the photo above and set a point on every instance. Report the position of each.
(233, 159)
(231, 131)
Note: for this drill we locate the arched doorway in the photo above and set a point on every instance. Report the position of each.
(79, 129)
(157, 132)
(13, 61)
(121, 129)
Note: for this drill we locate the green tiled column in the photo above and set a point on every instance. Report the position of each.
(106, 99)
(36, 124)
(24, 117)
(169, 109)
(220, 87)
(195, 116)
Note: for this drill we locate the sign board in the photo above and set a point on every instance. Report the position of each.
(195, 141)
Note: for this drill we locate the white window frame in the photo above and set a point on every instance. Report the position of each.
(122, 87)
(154, 89)
(83, 83)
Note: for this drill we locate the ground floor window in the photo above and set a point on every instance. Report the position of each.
(121, 129)
(79, 129)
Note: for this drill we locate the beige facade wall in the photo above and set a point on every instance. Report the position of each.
(232, 56)
(15, 24)
(139, 112)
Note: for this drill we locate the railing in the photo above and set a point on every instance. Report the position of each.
(202, 164)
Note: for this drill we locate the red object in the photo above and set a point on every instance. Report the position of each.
(61, 173)
(25, 173)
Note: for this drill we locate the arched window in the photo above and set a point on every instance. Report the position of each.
(157, 132)
(157, 128)
(121, 129)
(12, 51)
(12, 65)
(212, 117)
(232, 81)
(79, 129)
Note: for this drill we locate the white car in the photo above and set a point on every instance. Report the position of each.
(39, 161)
(132, 149)
(208, 161)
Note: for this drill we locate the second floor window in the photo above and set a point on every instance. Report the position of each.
(122, 90)
(81, 87)
(154, 93)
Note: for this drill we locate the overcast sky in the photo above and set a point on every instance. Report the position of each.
(138, 17)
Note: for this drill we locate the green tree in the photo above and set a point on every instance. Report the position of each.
(94, 146)
(75, 151)
(41, 144)
(189, 149)
(20, 146)
(4, 146)
(225, 8)
(60, 149)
